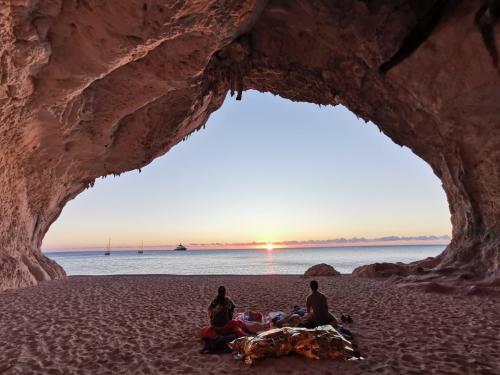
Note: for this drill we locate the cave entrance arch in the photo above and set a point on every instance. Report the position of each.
(86, 93)
(265, 169)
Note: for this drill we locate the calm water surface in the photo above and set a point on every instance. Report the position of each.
(234, 262)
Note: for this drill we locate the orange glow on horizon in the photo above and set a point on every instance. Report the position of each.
(269, 246)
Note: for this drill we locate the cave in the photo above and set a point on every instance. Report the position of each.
(90, 88)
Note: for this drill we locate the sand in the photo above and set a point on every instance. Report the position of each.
(149, 325)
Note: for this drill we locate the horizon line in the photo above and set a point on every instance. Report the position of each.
(290, 244)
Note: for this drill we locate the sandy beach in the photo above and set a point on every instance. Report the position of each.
(150, 324)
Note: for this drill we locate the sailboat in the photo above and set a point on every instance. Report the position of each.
(108, 251)
(142, 248)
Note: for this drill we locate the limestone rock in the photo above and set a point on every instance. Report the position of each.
(381, 270)
(93, 88)
(321, 269)
(396, 269)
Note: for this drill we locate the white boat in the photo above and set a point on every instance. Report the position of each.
(108, 248)
(180, 247)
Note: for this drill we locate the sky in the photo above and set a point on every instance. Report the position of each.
(265, 169)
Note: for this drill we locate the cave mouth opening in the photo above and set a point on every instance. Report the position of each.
(292, 174)
(80, 105)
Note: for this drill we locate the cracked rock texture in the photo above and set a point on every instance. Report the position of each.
(90, 88)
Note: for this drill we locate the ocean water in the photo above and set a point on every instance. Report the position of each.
(234, 262)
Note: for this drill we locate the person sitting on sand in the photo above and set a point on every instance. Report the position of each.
(317, 309)
(220, 313)
(221, 309)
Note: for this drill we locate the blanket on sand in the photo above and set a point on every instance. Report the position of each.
(318, 343)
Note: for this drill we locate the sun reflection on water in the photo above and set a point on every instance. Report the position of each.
(269, 263)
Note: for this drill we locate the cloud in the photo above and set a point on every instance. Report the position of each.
(340, 241)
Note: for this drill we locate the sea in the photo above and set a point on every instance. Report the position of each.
(234, 262)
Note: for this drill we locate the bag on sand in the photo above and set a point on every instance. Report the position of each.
(217, 345)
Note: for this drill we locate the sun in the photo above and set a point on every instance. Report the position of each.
(269, 246)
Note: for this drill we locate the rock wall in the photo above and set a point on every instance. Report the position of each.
(91, 88)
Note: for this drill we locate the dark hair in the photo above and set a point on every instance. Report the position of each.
(314, 285)
(221, 294)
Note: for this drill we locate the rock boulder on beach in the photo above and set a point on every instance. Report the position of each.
(321, 269)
